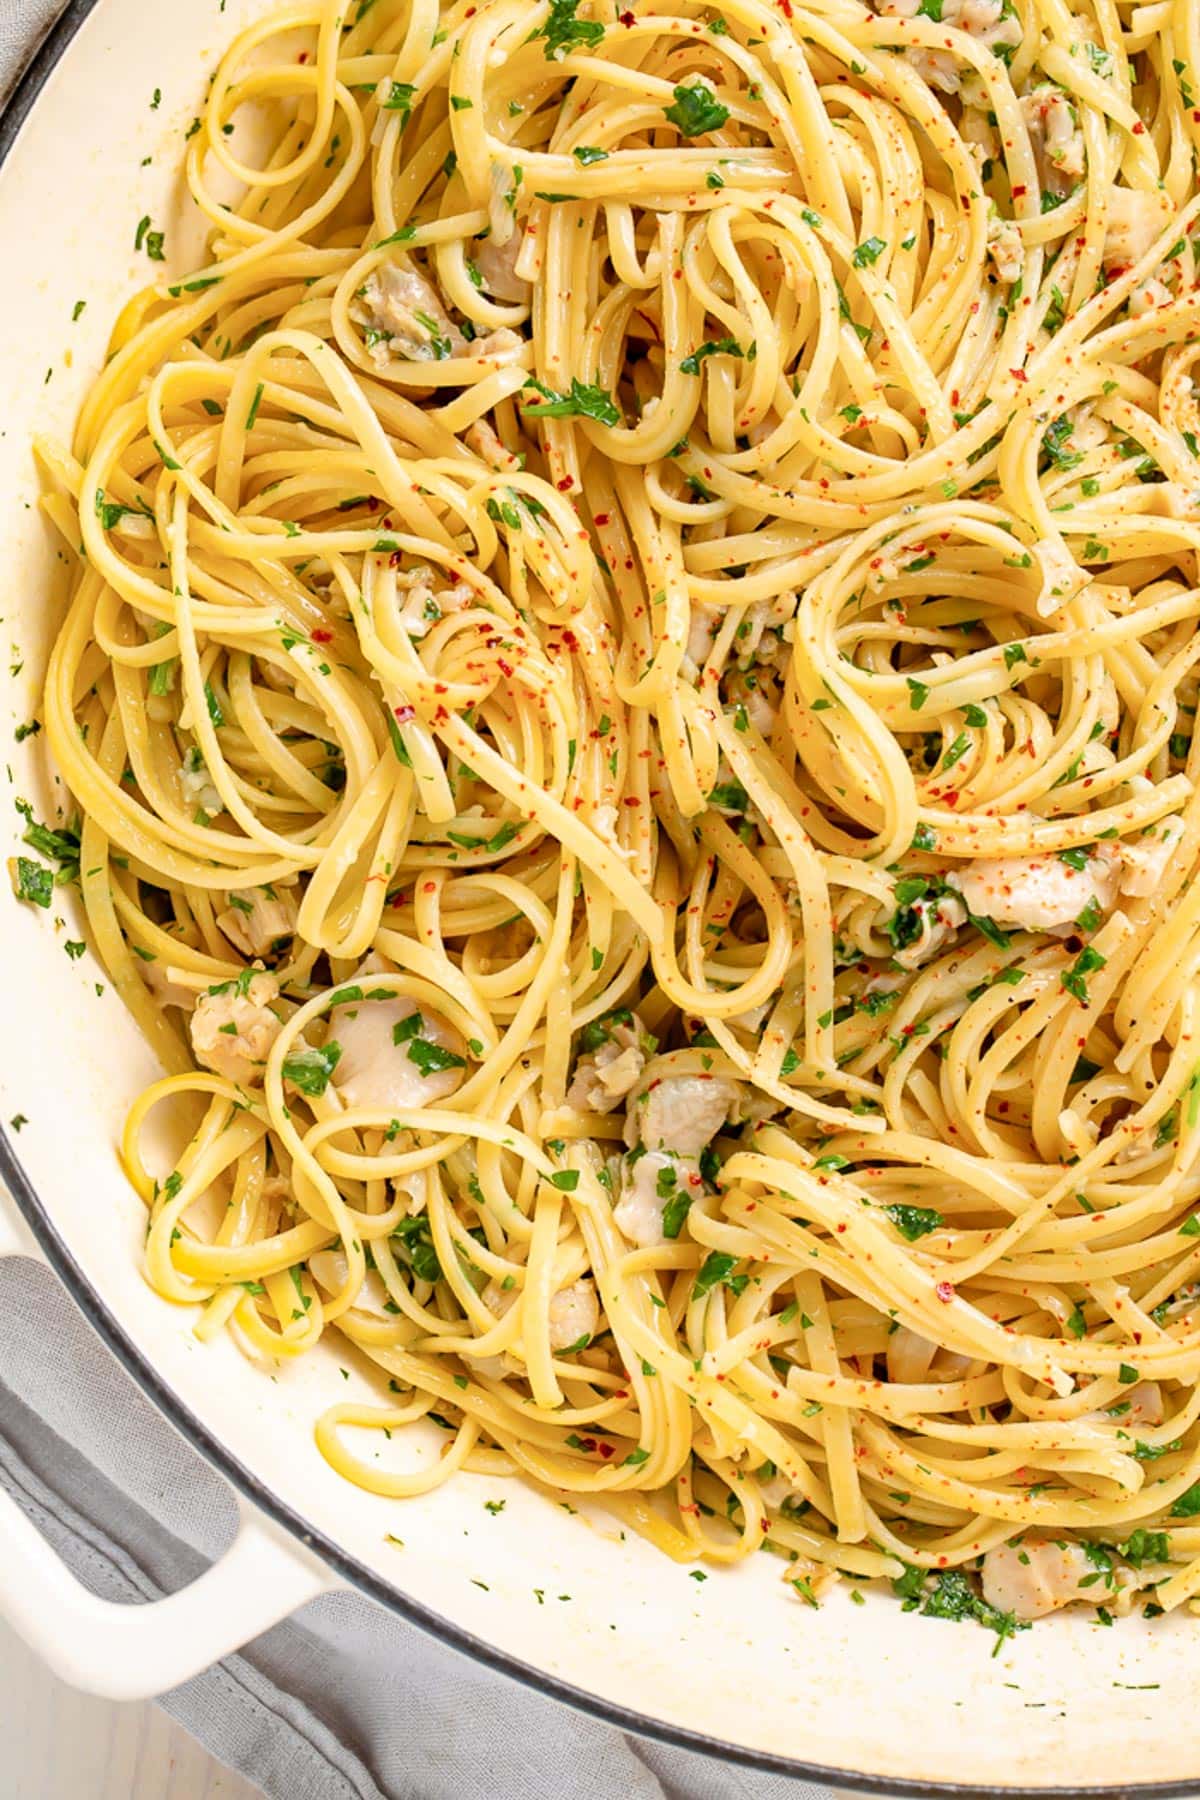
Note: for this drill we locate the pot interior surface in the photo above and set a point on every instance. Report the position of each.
(862, 1689)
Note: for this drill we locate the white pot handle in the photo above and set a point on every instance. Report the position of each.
(136, 1652)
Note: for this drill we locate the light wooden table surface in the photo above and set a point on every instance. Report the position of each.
(56, 1744)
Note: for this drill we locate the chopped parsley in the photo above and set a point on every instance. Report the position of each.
(726, 346)
(717, 1271)
(868, 252)
(400, 97)
(59, 845)
(1054, 443)
(696, 110)
(913, 1222)
(414, 1239)
(915, 894)
(583, 400)
(433, 1059)
(150, 241)
(1074, 979)
(31, 881)
(564, 31)
(310, 1069)
(952, 1596)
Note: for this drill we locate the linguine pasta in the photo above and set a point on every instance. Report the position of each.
(630, 690)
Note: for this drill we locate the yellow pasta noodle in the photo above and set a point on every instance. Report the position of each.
(630, 692)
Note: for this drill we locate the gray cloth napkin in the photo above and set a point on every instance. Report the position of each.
(345, 1702)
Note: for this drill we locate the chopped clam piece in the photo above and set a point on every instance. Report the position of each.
(257, 920)
(1005, 247)
(497, 265)
(403, 316)
(605, 1076)
(681, 1113)
(1135, 217)
(424, 1064)
(1056, 138)
(648, 1184)
(574, 1310)
(1145, 859)
(1031, 1579)
(574, 1314)
(232, 1033)
(1036, 893)
(940, 919)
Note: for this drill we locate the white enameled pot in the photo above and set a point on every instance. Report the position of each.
(862, 1695)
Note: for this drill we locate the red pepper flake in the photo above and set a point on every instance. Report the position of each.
(404, 714)
(566, 484)
(627, 18)
(321, 635)
(1019, 193)
(945, 1292)
(1018, 375)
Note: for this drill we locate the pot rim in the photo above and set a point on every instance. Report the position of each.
(14, 111)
